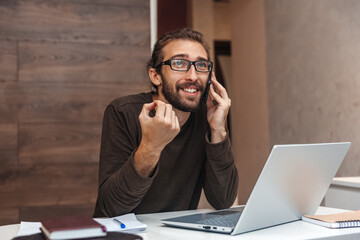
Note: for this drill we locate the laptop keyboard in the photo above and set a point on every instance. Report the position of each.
(229, 220)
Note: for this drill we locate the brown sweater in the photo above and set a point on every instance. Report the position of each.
(186, 165)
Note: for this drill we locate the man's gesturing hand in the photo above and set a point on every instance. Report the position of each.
(157, 132)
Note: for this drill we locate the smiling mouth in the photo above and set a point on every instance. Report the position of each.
(190, 90)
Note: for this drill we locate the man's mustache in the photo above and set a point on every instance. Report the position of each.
(190, 84)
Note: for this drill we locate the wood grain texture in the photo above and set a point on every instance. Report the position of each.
(61, 63)
(39, 212)
(8, 143)
(60, 102)
(74, 62)
(8, 103)
(121, 3)
(59, 143)
(74, 22)
(55, 184)
(8, 60)
(9, 216)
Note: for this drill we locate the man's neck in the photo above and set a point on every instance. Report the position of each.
(182, 116)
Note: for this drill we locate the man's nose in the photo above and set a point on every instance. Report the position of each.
(191, 74)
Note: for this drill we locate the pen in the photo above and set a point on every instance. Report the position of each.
(122, 225)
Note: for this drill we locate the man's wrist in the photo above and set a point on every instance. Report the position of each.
(145, 160)
(218, 135)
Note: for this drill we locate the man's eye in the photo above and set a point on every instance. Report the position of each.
(202, 65)
(179, 63)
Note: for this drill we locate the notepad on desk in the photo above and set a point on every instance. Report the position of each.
(124, 223)
(339, 220)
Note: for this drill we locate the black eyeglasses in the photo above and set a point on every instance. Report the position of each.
(183, 65)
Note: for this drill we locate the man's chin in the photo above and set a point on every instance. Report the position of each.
(182, 101)
(186, 107)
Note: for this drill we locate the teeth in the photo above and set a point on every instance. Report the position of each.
(190, 90)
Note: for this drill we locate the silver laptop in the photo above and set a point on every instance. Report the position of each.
(292, 183)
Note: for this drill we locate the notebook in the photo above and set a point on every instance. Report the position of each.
(292, 183)
(71, 227)
(338, 220)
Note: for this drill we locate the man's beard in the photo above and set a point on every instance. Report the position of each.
(174, 98)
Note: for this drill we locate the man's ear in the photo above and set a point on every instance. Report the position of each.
(155, 77)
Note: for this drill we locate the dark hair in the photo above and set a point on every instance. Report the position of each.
(157, 55)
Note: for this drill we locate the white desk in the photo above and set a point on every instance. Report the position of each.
(293, 230)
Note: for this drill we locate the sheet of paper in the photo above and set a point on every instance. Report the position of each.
(130, 221)
(28, 228)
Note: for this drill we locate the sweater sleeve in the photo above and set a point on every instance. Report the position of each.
(121, 188)
(221, 176)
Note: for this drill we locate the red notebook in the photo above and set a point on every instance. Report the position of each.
(72, 227)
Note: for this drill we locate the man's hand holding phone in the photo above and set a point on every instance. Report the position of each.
(217, 111)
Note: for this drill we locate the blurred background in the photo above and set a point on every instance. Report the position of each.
(290, 67)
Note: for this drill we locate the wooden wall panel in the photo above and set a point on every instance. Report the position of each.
(50, 184)
(119, 3)
(74, 62)
(61, 63)
(59, 143)
(39, 212)
(60, 102)
(76, 22)
(9, 215)
(8, 143)
(8, 58)
(9, 187)
(8, 103)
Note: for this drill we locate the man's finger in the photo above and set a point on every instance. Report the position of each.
(173, 120)
(220, 88)
(216, 97)
(150, 106)
(160, 108)
(177, 124)
(147, 107)
(168, 113)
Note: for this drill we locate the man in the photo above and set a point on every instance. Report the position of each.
(160, 149)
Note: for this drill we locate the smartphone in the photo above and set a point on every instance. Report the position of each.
(207, 89)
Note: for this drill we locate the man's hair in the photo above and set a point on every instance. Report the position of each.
(157, 55)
